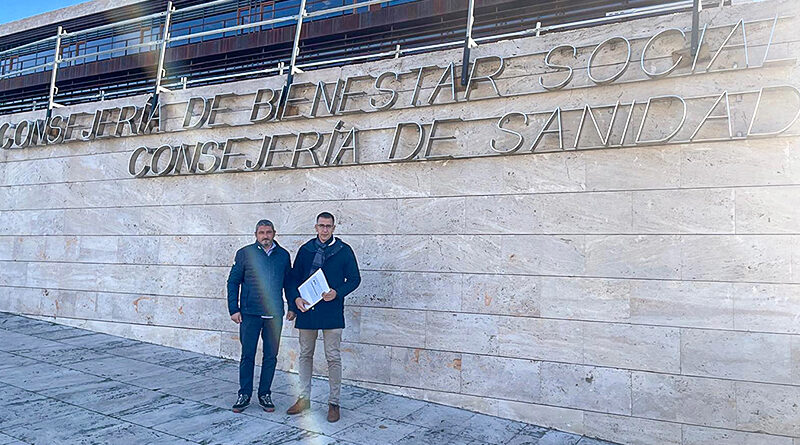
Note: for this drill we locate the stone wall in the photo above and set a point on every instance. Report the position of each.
(645, 294)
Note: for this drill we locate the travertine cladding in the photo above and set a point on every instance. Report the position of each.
(645, 295)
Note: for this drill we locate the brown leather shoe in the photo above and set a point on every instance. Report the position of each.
(299, 406)
(333, 413)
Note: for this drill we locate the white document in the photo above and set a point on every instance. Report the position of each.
(311, 290)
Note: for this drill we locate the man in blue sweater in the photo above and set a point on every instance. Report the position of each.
(338, 263)
(260, 274)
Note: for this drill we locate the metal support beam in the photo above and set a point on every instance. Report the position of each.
(51, 103)
(295, 51)
(696, 8)
(468, 43)
(162, 51)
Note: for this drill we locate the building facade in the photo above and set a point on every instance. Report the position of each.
(598, 231)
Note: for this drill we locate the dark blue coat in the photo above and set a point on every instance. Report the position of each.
(341, 271)
(256, 281)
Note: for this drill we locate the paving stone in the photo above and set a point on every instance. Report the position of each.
(160, 409)
(439, 417)
(382, 432)
(8, 440)
(154, 354)
(40, 376)
(61, 354)
(107, 397)
(13, 360)
(392, 407)
(427, 437)
(217, 425)
(77, 425)
(491, 429)
(534, 435)
(14, 342)
(63, 334)
(99, 341)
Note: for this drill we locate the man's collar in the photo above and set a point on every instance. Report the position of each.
(330, 241)
(271, 247)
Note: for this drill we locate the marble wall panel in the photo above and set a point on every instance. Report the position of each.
(751, 162)
(633, 256)
(33, 222)
(366, 217)
(8, 197)
(393, 327)
(502, 294)
(768, 408)
(631, 430)
(43, 196)
(540, 339)
(563, 419)
(512, 379)
(35, 172)
(768, 210)
(551, 172)
(98, 249)
(96, 167)
(465, 253)
(62, 248)
(695, 400)
(682, 303)
(461, 332)
(422, 368)
(760, 258)
(378, 289)
(29, 248)
(585, 298)
(432, 216)
(737, 355)
(70, 304)
(650, 348)
(7, 244)
(684, 211)
(22, 300)
(590, 388)
(430, 291)
(698, 435)
(551, 213)
(13, 273)
(364, 362)
(544, 254)
(632, 169)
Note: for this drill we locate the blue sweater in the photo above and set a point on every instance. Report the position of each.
(256, 281)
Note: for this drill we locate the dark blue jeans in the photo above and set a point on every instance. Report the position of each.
(269, 329)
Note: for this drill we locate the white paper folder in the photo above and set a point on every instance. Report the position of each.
(311, 290)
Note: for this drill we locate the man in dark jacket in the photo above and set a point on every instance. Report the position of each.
(260, 272)
(338, 263)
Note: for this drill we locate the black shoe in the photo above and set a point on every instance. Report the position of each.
(266, 402)
(241, 403)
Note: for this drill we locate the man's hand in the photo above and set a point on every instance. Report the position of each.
(301, 304)
(237, 318)
(290, 315)
(330, 295)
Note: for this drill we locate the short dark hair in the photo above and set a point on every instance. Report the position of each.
(265, 222)
(326, 215)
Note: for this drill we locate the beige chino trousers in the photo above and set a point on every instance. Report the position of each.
(332, 339)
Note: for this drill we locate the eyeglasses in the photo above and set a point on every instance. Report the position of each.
(325, 226)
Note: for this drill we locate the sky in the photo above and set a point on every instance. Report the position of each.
(11, 10)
